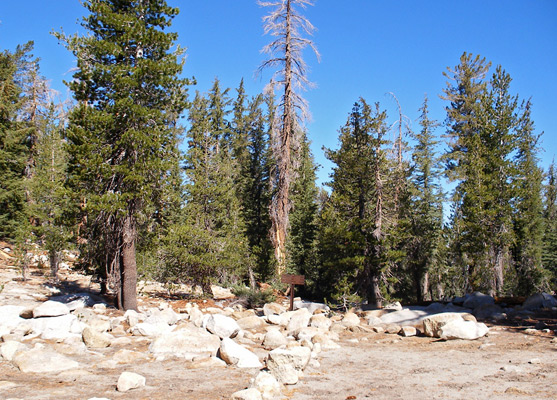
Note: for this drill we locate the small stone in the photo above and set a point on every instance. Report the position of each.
(267, 385)
(274, 339)
(350, 319)
(247, 394)
(235, 354)
(95, 339)
(130, 380)
(51, 309)
(407, 331)
(535, 361)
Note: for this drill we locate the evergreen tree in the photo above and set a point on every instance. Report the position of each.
(424, 250)
(123, 134)
(355, 241)
(549, 255)
(303, 218)
(15, 141)
(209, 243)
(528, 220)
(49, 202)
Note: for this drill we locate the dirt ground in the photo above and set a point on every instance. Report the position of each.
(510, 363)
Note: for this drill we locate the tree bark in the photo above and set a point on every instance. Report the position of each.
(54, 262)
(128, 267)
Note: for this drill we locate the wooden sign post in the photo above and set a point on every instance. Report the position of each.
(292, 280)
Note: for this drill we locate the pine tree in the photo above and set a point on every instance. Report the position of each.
(209, 243)
(123, 134)
(357, 215)
(549, 255)
(427, 209)
(15, 141)
(528, 219)
(285, 23)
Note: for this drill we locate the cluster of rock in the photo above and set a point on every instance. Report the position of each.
(276, 343)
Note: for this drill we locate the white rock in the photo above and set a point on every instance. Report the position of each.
(235, 354)
(9, 317)
(299, 319)
(220, 293)
(60, 327)
(273, 339)
(433, 323)
(306, 333)
(95, 339)
(151, 329)
(273, 309)
(196, 316)
(310, 306)
(285, 364)
(99, 307)
(246, 394)
(169, 316)
(396, 306)
(50, 309)
(321, 322)
(125, 356)
(251, 322)
(267, 385)
(404, 317)
(350, 319)
(132, 317)
(476, 299)
(460, 329)
(42, 360)
(188, 342)
(408, 331)
(9, 348)
(373, 321)
(222, 326)
(130, 380)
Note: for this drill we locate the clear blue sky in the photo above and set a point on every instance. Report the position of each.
(368, 48)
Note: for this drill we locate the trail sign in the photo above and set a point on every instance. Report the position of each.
(292, 280)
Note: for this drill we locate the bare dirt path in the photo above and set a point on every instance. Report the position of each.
(507, 364)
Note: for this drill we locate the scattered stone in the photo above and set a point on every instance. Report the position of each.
(151, 329)
(251, 322)
(477, 299)
(222, 326)
(130, 380)
(433, 323)
(404, 317)
(285, 364)
(392, 329)
(9, 348)
(407, 331)
(378, 329)
(169, 316)
(312, 307)
(350, 319)
(274, 339)
(56, 327)
(247, 394)
(299, 319)
(51, 308)
(43, 360)
(320, 321)
(461, 329)
(100, 307)
(132, 317)
(188, 342)
(535, 361)
(273, 309)
(267, 385)
(373, 321)
(235, 354)
(489, 311)
(539, 300)
(220, 293)
(95, 339)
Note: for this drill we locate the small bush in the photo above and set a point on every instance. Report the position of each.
(254, 297)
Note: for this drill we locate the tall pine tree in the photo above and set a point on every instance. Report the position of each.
(123, 134)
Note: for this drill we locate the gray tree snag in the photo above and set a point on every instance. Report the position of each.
(288, 27)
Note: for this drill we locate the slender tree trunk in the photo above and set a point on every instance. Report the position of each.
(374, 298)
(128, 288)
(54, 262)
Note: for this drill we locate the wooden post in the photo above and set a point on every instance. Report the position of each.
(292, 280)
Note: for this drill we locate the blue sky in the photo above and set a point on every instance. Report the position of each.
(368, 48)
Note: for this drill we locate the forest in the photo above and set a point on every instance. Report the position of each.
(148, 179)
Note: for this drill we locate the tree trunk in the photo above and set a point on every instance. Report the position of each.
(374, 298)
(54, 262)
(128, 267)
